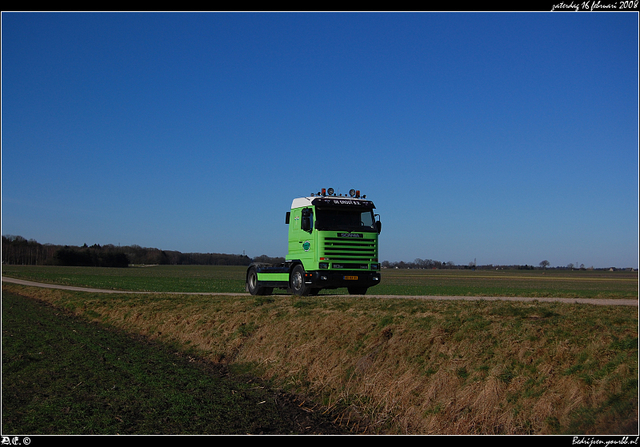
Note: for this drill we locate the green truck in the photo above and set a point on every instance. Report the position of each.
(333, 243)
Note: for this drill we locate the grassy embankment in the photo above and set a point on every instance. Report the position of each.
(410, 366)
(64, 375)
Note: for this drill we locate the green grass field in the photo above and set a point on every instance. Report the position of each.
(230, 279)
(377, 365)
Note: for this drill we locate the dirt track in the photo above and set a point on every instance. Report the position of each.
(602, 302)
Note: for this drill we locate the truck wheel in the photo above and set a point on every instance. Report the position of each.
(357, 290)
(298, 287)
(252, 284)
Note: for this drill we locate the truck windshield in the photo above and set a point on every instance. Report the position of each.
(345, 219)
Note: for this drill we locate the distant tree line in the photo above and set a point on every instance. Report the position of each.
(419, 264)
(18, 250)
(431, 264)
(93, 256)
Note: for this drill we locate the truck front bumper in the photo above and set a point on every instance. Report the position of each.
(331, 279)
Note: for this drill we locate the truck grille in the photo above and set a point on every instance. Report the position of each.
(350, 253)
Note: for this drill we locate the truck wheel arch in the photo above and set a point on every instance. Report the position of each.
(252, 285)
(296, 280)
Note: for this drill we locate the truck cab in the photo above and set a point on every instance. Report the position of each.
(332, 243)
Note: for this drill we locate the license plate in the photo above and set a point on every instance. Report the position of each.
(351, 278)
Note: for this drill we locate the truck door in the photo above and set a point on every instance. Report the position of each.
(301, 236)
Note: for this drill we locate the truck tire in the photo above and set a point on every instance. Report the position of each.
(296, 281)
(252, 284)
(357, 290)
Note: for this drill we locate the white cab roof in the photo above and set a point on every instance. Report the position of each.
(301, 202)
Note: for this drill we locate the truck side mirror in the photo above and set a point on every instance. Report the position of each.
(378, 223)
(287, 217)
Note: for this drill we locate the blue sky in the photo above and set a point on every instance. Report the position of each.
(509, 138)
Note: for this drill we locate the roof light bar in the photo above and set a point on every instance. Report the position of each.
(331, 192)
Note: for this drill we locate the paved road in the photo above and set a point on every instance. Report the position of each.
(606, 302)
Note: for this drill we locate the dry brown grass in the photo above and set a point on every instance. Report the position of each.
(409, 366)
